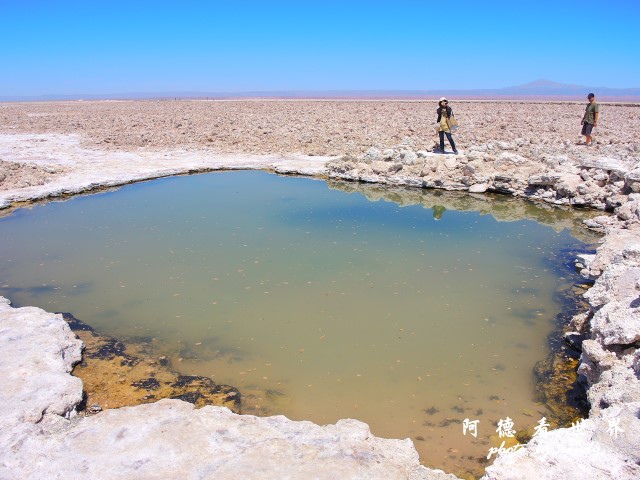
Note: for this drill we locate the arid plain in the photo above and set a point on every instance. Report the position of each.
(319, 127)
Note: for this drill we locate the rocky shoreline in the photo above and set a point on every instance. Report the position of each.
(39, 397)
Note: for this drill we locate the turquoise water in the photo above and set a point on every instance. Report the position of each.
(410, 312)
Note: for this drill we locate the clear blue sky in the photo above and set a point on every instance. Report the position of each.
(94, 46)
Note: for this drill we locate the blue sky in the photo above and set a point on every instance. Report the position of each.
(92, 47)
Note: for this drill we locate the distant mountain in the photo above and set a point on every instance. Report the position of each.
(549, 89)
(538, 89)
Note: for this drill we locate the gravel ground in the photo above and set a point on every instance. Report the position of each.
(319, 127)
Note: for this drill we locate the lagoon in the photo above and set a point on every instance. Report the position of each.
(409, 310)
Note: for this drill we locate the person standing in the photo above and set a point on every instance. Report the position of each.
(445, 113)
(590, 118)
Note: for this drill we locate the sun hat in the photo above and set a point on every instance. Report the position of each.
(443, 99)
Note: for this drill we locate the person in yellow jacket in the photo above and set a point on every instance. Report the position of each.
(444, 114)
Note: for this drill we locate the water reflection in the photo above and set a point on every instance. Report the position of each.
(501, 207)
(438, 211)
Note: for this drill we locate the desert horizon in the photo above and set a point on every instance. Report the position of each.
(538, 90)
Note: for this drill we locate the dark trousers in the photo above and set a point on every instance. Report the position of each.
(449, 137)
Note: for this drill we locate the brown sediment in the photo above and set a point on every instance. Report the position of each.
(557, 382)
(115, 374)
(263, 403)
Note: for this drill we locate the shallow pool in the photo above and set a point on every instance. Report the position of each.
(408, 310)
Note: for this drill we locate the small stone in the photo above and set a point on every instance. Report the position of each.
(478, 188)
(388, 154)
(450, 163)
(372, 155)
(408, 157)
(543, 180)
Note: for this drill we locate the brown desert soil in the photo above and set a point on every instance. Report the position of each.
(319, 127)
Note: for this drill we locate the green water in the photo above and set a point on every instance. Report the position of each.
(408, 310)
